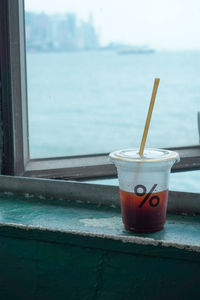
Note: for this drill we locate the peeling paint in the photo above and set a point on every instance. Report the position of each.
(123, 239)
(102, 222)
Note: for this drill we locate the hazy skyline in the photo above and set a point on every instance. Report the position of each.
(163, 24)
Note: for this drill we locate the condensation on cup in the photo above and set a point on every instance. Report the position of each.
(143, 184)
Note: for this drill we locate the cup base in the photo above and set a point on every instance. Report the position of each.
(143, 230)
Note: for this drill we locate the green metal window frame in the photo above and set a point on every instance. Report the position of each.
(14, 106)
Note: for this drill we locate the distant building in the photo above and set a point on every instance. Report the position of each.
(59, 33)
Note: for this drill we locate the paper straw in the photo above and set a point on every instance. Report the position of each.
(146, 128)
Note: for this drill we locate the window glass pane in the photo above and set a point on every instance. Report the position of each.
(182, 182)
(90, 71)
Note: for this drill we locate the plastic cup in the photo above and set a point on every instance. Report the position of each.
(143, 184)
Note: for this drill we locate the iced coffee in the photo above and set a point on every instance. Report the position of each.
(143, 183)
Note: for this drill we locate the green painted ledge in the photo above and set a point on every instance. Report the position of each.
(33, 217)
(66, 250)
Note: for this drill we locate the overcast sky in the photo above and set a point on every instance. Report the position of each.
(161, 24)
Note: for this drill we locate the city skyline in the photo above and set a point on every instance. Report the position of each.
(163, 25)
(59, 33)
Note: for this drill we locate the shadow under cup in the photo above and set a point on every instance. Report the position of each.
(143, 184)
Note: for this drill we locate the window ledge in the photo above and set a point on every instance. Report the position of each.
(94, 226)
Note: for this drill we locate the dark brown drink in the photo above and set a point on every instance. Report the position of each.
(144, 213)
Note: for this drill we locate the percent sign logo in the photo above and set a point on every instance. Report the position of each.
(153, 201)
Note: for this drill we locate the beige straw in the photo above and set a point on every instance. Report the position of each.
(146, 128)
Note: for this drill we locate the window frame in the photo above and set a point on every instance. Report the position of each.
(14, 105)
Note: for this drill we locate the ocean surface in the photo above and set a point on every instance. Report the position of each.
(93, 102)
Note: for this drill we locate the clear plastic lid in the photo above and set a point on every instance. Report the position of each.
(149, 155)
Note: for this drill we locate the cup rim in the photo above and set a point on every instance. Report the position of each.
(167, 155)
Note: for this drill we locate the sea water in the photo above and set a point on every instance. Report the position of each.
(97, 102)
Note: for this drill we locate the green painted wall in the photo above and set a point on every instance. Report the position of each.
(32, 269)
(65, 250)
